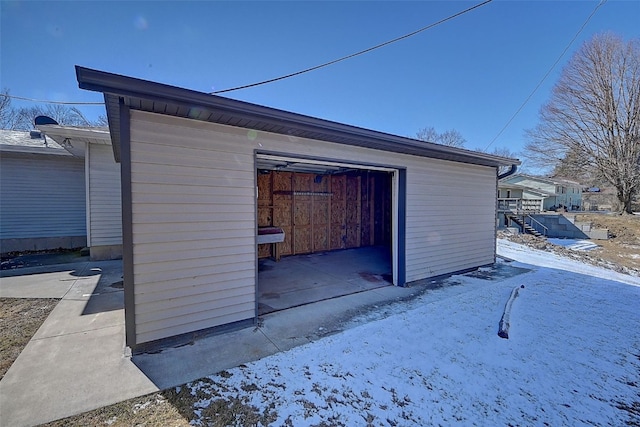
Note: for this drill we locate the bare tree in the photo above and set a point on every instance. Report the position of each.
(8, 115)
(22, 118)
(502, 152)
(5, 105)
(452, 137)
(62, 114)
(574, 165)
(428, 134)
(101, 121)
(592, 121)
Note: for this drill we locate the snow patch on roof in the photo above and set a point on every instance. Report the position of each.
(29, 142)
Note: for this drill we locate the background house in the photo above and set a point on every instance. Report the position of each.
(522, 197)
(600, 198)
(102, 182)
(532, 193)
(202, 174)
(42, 194)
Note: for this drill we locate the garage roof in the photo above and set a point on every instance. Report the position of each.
(159, 98)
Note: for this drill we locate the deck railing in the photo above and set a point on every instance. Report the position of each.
(519, 205)
(536, 225)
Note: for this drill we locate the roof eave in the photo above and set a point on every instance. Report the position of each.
(116, 87)
(33, 150)
(92, 135)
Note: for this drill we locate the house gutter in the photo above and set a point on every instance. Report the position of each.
(510, 172)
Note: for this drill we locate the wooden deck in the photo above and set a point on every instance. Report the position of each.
(519, 206)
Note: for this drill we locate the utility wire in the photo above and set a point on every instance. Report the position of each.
(297, 73)
(602, 2)
(43, 101)
(378, 46)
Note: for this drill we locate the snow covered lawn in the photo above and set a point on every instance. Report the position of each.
(573, 244)
(573, 358)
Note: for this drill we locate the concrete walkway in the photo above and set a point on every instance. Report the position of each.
(77, 360)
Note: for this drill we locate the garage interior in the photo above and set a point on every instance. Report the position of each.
(337, 224)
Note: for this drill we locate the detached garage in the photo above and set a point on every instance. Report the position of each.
(214, 187)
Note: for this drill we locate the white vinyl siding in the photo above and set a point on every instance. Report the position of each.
(193, 229)
(41, 196)
(450, 217)
(193, 196)
(105, 211)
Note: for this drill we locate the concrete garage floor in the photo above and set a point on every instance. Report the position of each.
(304, 279)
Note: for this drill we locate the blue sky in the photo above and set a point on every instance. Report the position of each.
(469, 74)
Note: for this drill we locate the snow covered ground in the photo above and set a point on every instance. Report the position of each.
(573, 358)
(573, 244)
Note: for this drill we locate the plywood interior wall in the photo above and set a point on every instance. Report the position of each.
(325, 212)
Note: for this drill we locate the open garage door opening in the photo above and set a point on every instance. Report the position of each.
(325, 229)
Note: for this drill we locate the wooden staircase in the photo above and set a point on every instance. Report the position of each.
(526, 228)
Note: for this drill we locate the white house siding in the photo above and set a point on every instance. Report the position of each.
(42, 202)
(193, 196)
(451, 214)
(514, 193)
(105, 211)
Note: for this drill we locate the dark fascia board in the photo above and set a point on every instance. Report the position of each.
(114, 86)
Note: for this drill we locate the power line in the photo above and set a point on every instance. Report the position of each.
(297, 73)
(44, 101)
(602, 2)
(326, 64)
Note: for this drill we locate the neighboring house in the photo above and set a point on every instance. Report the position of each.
(193, 201)
(601, 198)
(102, 182)
(42, 194)
(531, 194)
